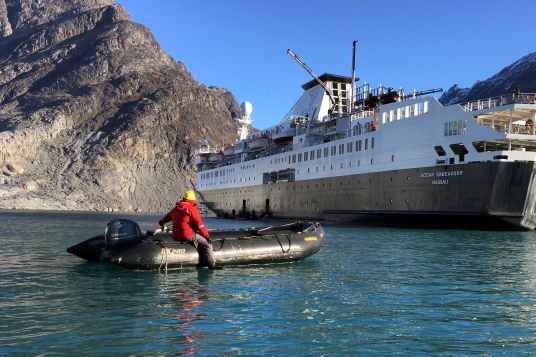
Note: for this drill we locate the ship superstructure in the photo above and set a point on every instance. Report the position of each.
(381, 156)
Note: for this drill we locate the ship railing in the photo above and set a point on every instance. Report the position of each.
(516, 129)
(362, 114)
(521, 98)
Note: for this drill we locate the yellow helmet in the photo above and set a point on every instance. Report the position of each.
(189, 195)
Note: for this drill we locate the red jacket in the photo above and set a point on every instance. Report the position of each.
(186, 221)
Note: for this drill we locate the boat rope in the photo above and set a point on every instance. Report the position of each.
(221, 246)
(164, 249)
(289, 243)
(282, 225)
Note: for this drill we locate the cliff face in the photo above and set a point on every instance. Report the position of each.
(94, 115)
(521, 73)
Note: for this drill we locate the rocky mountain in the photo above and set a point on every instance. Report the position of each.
(521, 73)
(94, 115)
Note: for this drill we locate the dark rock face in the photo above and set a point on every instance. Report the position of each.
(94, 115)
(521, 73)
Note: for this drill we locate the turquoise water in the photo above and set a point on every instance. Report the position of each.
(368, 292)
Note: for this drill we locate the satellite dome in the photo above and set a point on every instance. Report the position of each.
(246, 108)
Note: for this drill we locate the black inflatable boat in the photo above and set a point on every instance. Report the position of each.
(124, 244)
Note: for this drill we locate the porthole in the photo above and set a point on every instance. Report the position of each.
(391, 179)
(407, 199)
(370, 201)
(408, 177)
(370, 181)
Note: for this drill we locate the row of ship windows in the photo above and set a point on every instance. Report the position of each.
(405, 112)
(306, 156)
(330, 167)
(324, 168)
(458, 127)
(221, 173)
(301, 187)
(333, 150)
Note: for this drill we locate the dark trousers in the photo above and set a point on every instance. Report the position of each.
(204, 249)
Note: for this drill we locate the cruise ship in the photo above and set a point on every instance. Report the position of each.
(379, 156)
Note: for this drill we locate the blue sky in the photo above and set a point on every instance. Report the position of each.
(419, 44)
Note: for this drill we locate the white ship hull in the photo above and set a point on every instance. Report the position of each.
(419, 164)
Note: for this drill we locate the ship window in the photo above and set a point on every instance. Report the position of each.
(333, 150)
(372, 161)
(366, 144)
(349, 147)
(358, 163)
(342, 167)
(299, 157)
(372, 143)
(350, 164)
(294, 158)
(312, 154)
(324, 168)
(326, 152)
(341, 149)
(317, 169)
(318, 153)
(392, 159)
(440, 151)
(305, 156)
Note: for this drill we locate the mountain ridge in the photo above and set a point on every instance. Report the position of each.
(521, 73)
(94, 115)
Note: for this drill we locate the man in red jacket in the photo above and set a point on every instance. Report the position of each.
(188, 227)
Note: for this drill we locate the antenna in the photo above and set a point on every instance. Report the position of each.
(352, 86)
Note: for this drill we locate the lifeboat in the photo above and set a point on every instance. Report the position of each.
(285, 135)
(125, 245)
(262, 142)
(217, 156)
(229, 151)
